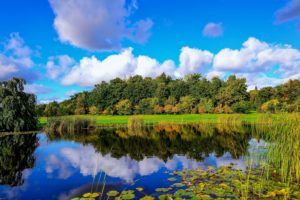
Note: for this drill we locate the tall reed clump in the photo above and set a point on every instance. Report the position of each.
(283, 154)
(69, 124)
(230, 124)
(135, 125)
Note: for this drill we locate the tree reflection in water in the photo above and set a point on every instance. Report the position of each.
(164, 141)
(16, 155)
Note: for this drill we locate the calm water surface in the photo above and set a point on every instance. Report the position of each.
(62, 166)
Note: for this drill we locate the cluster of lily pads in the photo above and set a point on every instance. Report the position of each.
(213, 183)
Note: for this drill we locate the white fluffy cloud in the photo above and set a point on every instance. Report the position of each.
(263, 64)
(89, 163)
(193, 60)
(98, 25)
(91, 70)
(257, 56)
(16, 59)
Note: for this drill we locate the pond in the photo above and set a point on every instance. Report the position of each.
(64, 165)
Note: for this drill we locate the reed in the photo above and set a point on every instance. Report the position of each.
(135, 126)
(230, 124)
(282, 157)
(65, 125)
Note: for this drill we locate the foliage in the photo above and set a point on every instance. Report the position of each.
(271, 106)
(205, 106)
(93, 110)
(241, 107)
(16, 155)
(191, 94)
(185, 104)
(124, 107)
(17, 108)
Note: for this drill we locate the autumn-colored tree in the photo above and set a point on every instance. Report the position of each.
(81, 105)
(186, 104)
(124, 107)
(168, 109)
(93, 110)
(271, 106)
(158, 109)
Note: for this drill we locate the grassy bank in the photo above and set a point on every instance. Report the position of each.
(155, 119)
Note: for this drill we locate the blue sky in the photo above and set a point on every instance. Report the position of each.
(61, 47)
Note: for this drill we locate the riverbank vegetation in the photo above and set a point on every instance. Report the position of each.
(116, 120)
(270, 148)
(164, 95)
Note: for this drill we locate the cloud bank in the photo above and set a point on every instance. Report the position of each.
(263, 64)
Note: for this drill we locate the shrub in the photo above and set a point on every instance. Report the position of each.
(241, 107)
(227, 109)
(158, 109)
(185, 104)
(124, 107)
(219, 109)
(271, 106)
(205, 106)
(168, 109)
(93, 110)
(175, 109)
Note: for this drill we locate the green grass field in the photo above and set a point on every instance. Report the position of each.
(155, 119)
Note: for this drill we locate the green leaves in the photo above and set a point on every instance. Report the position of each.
(17, 108)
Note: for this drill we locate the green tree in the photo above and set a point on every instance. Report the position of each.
(40, 108)
(146, 106)
(235, 90)
(241, 107)
(266, 94)
(271, 106)
(205, 106)
(17, 108)
(52, 109)
(186, 104)
(81, 104)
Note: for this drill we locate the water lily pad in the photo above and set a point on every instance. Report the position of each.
(127, 195)
(178, 185)
(147, 198)
(165, 197)
(172, 179)
(86, 195)
(139, 189)
(163, 189)
(112, 193)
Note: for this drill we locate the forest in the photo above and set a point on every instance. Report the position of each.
(164, 95)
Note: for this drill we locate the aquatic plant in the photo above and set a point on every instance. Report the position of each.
(283, 134)
(69, 124)
(135, 126)
(230, 124)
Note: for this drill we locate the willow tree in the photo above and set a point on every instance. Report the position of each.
(17, 108)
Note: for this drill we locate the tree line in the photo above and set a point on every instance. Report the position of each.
(164, 95)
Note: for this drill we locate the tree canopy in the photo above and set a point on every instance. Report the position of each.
(191, 94)
(17, 108)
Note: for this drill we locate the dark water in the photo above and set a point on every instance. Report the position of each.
(62, 166)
